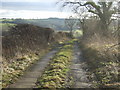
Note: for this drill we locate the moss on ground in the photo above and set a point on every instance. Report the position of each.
(56, 73)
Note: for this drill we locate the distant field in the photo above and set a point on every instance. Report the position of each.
(7, 24)
(54, 23)
(6, 20)
(77, 33)
(5, 27)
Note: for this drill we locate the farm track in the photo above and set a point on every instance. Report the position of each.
(78, 70)
(29, 79)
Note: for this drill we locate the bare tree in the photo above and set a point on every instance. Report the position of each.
(70, 23)
(82, 18)
(103, 10)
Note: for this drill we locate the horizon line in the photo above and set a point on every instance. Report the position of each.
(31, 18)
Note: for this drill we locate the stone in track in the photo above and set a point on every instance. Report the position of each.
(30, 77)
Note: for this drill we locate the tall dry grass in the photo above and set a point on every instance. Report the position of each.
(102, 54)
(25, 39)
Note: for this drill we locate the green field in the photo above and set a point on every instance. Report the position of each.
(6, 26)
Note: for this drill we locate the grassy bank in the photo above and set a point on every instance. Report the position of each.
(56, 73)
(12, 71)
(103, 61)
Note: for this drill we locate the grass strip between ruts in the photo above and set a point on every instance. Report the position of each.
(56, 73)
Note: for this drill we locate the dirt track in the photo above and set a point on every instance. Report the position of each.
(78, 70)
(29, 79)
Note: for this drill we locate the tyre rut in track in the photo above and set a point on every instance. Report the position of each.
(30, 77)
(78, 70)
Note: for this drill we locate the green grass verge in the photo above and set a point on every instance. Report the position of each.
(56, 73)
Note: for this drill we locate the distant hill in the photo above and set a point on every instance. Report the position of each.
(54, 23)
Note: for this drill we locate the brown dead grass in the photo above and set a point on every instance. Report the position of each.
(26, 39)
(103, 60)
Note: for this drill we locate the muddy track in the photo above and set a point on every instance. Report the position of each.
(29, 79)
(78, 70)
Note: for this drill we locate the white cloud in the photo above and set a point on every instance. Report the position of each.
(31, 14)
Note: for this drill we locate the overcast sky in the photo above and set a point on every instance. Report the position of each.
(31, 9)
